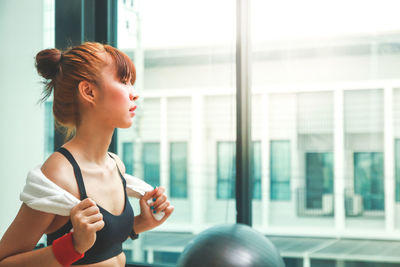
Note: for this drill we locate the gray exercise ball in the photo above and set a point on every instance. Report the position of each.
(230, 245)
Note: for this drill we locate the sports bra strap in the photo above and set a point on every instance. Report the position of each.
(120, 174)
(77, 171)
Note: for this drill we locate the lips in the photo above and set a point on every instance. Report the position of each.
(132, 109)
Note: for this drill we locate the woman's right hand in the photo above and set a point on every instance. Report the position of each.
(86, 220)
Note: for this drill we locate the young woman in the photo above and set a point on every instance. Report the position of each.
(93, 95)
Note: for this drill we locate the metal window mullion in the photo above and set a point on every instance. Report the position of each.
(77, 21)
(243, 114)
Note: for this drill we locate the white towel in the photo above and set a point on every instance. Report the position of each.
(40, 193)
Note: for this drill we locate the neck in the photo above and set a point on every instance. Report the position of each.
(91, 142)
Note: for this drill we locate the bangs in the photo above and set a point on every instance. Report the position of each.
(125, 69)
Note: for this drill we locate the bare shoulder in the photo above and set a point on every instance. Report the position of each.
(119, 162)
(60, 171)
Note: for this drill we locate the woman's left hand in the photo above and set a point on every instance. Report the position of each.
(146, 221)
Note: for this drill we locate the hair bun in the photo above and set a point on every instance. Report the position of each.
(48, 62)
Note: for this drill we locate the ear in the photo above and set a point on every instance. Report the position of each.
(87, 92)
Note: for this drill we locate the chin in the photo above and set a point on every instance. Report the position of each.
(126, 125)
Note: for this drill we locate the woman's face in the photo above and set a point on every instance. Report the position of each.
(116, 104)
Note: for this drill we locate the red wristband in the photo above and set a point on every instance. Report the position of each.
(64, 250)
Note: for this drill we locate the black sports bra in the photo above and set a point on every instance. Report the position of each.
(116, 230)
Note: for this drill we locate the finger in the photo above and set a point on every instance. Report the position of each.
(163, 206)
(168, 211)
(95, 218)
(97, 226)
(82, 205)
(149, 194)
(91, 211)
(86, 203)
(160, 191)
(159, 201)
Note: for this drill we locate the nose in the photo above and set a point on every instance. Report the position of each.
(133, 95)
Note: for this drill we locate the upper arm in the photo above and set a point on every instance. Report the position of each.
(119, 162)
(24, 232)
(29, 225)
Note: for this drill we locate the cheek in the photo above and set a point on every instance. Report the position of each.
(119, 98)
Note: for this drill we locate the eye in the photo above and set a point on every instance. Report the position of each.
(126, 82)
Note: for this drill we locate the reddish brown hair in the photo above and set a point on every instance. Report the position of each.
(64, 70)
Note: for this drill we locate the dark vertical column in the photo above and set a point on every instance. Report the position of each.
(106, 21)
(89, 15)
(68, 32)
(112, 28)
(243, 106)
(106, 32)
(77, 21)
(68, 23)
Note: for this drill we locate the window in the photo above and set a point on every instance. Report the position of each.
(280, 168)
(319, 178)
(49, 128)
(397, 168)
(151, 163)
(166, 257)
(256, 170)
(177, 104)
(127, 156)
(178, 169)
(368, 179)
(226, 170)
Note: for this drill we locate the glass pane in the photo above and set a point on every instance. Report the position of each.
(151, 163)
(184, 54)
(324, 77)
(178, 170)
(49, 129)
(256, 170)
(280, 170)
(127, 156)
(368, 179)
(397, 169)
(48, 41)
(319, 178)
(364, 140)
(226, 170)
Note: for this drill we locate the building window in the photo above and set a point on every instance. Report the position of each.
(256, 170)
(164, 258)
(397, 168)
(368, 179)
(226, 170)
(151, 163)
(178, 170)
(280, 169)
(319, 178)
(49, 129)
(127, 156)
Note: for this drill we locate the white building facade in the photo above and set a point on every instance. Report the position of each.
(325, 147)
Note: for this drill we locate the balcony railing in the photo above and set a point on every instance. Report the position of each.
(311, 203)
(366, 204)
